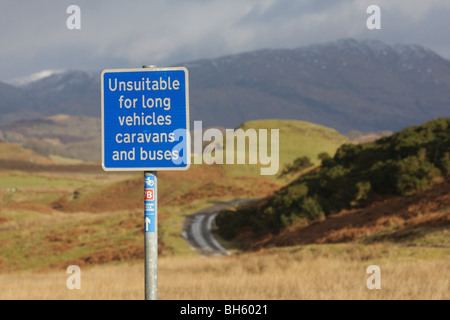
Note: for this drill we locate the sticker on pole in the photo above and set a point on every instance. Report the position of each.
(150, 204)
(145, 119)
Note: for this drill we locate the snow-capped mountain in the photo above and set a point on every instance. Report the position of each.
(58, 92)
(346, 84)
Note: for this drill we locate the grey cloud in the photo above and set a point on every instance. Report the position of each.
(129, 33)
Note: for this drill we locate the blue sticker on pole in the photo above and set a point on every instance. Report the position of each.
(150, 203)
(145, 119)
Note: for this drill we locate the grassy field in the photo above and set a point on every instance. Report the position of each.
(49, 219)
(295, 273)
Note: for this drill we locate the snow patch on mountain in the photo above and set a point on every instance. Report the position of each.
(23, 81)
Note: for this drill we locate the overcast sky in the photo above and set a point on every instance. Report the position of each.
(124, 34)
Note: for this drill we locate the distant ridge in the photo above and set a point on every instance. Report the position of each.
(346, 85)
(72, 137)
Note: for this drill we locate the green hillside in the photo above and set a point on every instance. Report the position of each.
(296, 139)
(408, 161)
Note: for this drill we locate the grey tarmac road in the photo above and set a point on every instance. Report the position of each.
(197, 229)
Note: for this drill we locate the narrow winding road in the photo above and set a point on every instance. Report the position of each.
(197, 229)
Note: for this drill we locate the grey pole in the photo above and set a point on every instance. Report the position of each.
(151, 235)
(151, 231)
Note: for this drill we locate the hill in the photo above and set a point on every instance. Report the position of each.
(296, 139)
(73, 137)
(346, 85)
(14, 152)
(409, 161)
(71, 92)
(422, 219)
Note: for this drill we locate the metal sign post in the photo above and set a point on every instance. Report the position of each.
(151, 235)
(145, 127)
(151, 232)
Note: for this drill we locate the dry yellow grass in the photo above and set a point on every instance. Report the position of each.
(300, 273)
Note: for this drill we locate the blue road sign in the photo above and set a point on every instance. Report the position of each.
(145, 119)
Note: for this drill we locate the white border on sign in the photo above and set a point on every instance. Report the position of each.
(188, 140)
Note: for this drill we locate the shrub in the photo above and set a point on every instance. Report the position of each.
(298, 165)
(324, 156)
(312, 209)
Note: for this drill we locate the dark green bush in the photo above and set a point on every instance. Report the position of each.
(296, 166)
